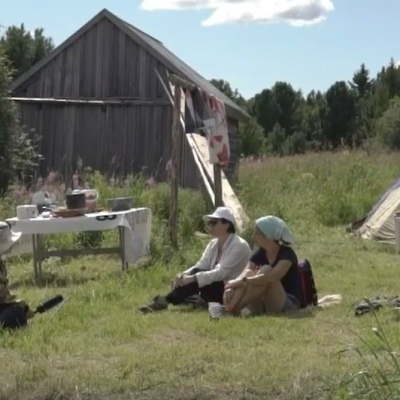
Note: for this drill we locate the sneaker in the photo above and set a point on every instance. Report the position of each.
(158, 304)
(196, 302)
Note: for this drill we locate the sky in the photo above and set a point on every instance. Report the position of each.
(249, 43)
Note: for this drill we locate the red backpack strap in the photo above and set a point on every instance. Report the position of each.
(303, 283)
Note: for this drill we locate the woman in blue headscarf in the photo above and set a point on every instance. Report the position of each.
(271, 282)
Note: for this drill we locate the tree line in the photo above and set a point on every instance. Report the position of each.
(363, 112)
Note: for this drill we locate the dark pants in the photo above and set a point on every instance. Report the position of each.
(210, 293)
(12, 317)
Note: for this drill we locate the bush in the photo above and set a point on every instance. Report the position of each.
(18, 149)
(388, 126)
(251, 138)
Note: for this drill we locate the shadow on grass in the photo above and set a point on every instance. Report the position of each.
(50, 279)
(61, 279)
(54, 279)
(299, 314)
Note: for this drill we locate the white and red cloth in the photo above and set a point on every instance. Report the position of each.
(206, 113)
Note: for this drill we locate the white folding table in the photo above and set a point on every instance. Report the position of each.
(134, 231)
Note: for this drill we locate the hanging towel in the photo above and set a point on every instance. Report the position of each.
(205, 114)
(218, 136)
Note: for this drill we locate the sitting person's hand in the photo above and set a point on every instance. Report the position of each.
(177, 281)
(227, 298)
(186, 279)
(183, 279)
(233, 284)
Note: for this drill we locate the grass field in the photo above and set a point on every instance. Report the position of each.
(97, 346)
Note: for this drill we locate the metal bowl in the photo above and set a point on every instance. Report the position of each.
(120, 204)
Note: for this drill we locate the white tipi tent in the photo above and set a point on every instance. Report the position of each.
(379, 224)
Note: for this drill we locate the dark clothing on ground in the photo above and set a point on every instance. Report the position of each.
(12, 316)
(209, 293)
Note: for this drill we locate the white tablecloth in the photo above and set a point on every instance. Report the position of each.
(136, 221)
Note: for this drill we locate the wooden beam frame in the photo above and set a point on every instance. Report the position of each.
(218, 198)
(183, 83)
(92, 102)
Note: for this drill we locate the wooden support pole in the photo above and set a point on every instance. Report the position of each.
(175, 166)
(218, 200)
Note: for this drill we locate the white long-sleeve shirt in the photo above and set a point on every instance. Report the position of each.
(235, 255)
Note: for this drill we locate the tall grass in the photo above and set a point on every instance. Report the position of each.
(326, 189)
(379, 375)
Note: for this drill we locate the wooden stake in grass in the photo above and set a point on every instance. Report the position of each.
(175, 166)
(176, 157)
(218, 200)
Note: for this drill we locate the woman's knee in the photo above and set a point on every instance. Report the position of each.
(232, 298)
(275, 298)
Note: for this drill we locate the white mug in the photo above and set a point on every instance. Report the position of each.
(27, 211)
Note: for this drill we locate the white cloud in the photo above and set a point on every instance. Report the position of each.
(294, 12)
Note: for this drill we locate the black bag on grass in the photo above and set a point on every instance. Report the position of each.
(12, 316)
(309, 291)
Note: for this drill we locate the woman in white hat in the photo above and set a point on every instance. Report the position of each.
(224, 258)
(13, 313)
(271, 283)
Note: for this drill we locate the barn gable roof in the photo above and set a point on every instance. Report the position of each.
(153, 46)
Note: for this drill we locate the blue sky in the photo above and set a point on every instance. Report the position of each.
(330, 39)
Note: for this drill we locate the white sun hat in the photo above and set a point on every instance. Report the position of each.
(219, 213)
(7, 237)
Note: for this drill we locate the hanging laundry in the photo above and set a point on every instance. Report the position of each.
(218, 137)
(206, 115)
(196, 111)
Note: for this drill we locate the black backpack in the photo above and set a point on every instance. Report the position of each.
(309, 291)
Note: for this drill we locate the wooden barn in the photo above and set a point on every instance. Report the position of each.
(102, 96)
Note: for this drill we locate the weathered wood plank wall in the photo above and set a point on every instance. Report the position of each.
(111, 138)
(104, 62)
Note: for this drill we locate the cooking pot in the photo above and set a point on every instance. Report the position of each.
(75, 200)
(120, 204)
